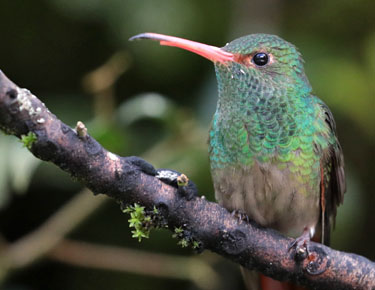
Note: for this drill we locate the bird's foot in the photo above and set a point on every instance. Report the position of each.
(317, 259)
(240, 215)
(302, 244)
(184, 186)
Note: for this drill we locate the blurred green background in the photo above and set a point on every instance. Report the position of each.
(138, 98)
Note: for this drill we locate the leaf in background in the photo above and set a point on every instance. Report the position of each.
(147, 118)
(22, 165)
(17, 166)
(148, 105)
(4, 190)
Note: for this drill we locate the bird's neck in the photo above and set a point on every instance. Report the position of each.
(263, 107)
(244, 98)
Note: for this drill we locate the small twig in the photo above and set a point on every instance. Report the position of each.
(133, 261)
(100, 83)
(34, 245)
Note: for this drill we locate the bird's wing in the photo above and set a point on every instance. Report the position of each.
(333, 176)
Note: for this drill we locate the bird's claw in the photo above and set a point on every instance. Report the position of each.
(240, 215)
(301, 245)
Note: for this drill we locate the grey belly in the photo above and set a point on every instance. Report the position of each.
(268, 195)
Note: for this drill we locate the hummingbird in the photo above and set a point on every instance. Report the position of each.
(273, 148)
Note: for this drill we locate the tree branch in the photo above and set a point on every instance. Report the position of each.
(248, 244)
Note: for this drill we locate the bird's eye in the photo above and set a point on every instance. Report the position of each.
(260, 58)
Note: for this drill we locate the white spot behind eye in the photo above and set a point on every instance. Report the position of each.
(271, 59)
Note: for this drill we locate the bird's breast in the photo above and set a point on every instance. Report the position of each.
(267, 194)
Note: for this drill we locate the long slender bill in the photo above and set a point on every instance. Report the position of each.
(212, 53)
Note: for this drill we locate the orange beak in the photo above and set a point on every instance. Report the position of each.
(212, 53)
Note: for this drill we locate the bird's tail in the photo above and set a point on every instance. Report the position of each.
(255, 281)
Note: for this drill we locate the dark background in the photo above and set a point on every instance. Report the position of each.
(138, 98)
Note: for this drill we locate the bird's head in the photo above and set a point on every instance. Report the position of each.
(256, 62)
